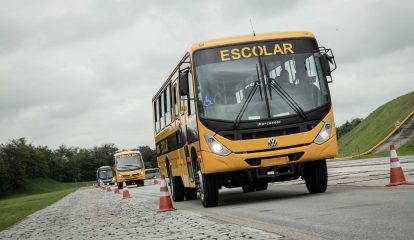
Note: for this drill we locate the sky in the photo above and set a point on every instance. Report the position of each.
(83, 72)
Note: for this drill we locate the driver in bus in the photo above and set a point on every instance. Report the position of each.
(283, 78)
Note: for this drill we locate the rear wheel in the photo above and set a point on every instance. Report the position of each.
(190, 193)
(316, 176)
(208, 189)
(176, 187)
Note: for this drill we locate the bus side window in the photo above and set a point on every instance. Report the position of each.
(161, 110)
(175, 103)
(156, 128)
(167, 105)
(182, 103)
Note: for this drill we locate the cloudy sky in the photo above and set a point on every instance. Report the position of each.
(82, 73)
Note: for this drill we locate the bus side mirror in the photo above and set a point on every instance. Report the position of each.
(183, 84)
(327, 59)
(325, 64)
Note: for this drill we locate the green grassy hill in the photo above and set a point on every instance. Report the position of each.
(35, 195)
(376, 126)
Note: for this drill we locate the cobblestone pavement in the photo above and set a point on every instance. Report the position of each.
(95, 214)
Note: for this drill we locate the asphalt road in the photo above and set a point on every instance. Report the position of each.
(357, 205)
(352, 210)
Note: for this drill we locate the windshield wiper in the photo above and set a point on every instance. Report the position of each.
(248, 100)
(284, 95)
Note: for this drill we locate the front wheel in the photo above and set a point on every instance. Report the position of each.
(140, 183)
(316, 176)
(248, 187)
(120, 185)
(208, 189)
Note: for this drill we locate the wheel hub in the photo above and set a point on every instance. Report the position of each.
(201, 187)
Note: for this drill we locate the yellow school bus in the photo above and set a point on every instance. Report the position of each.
(129, 168)
(245, 111)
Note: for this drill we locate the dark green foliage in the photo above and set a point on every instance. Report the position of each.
(347, 127)
(149, 155)
(21, 161)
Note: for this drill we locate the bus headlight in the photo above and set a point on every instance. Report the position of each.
(325, 133)
(215, 146)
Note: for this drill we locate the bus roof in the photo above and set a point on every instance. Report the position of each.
(123, 152)
(234, 40)
(249, 38)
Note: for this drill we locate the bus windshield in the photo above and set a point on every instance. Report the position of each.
(129, 162)
(226, 76)
(105, 174)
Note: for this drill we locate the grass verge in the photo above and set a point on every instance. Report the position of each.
(376, 126)
(407, 149)
(36, 194)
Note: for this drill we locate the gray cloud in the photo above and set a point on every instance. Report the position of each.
(82, 73)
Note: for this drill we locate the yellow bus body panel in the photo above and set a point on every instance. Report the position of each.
(258, 148)
(244, 149)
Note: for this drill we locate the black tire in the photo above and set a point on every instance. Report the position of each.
(190, 193)
(120, 185)
(142, 183)
(209, 191)
(249, 187)
(176, 187)
(261, 186)
(316, 176)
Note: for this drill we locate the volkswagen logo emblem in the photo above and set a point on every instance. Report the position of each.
(272, 142)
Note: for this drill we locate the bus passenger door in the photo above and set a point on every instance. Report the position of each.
(188, 128)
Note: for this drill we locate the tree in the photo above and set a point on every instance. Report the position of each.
(347, 127)
(149, 155)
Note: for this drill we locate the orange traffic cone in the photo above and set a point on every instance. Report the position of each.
(165, 200)
(396, 172)
(125, 192)
(155, 181)
(116, 191)
(108, 189)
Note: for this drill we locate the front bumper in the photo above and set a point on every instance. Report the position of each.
(213, 163)
(130, 177)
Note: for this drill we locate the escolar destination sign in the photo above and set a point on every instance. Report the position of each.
(250, 50)
(262, 50)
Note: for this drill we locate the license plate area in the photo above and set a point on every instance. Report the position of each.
(267, 162)
(275, 171)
